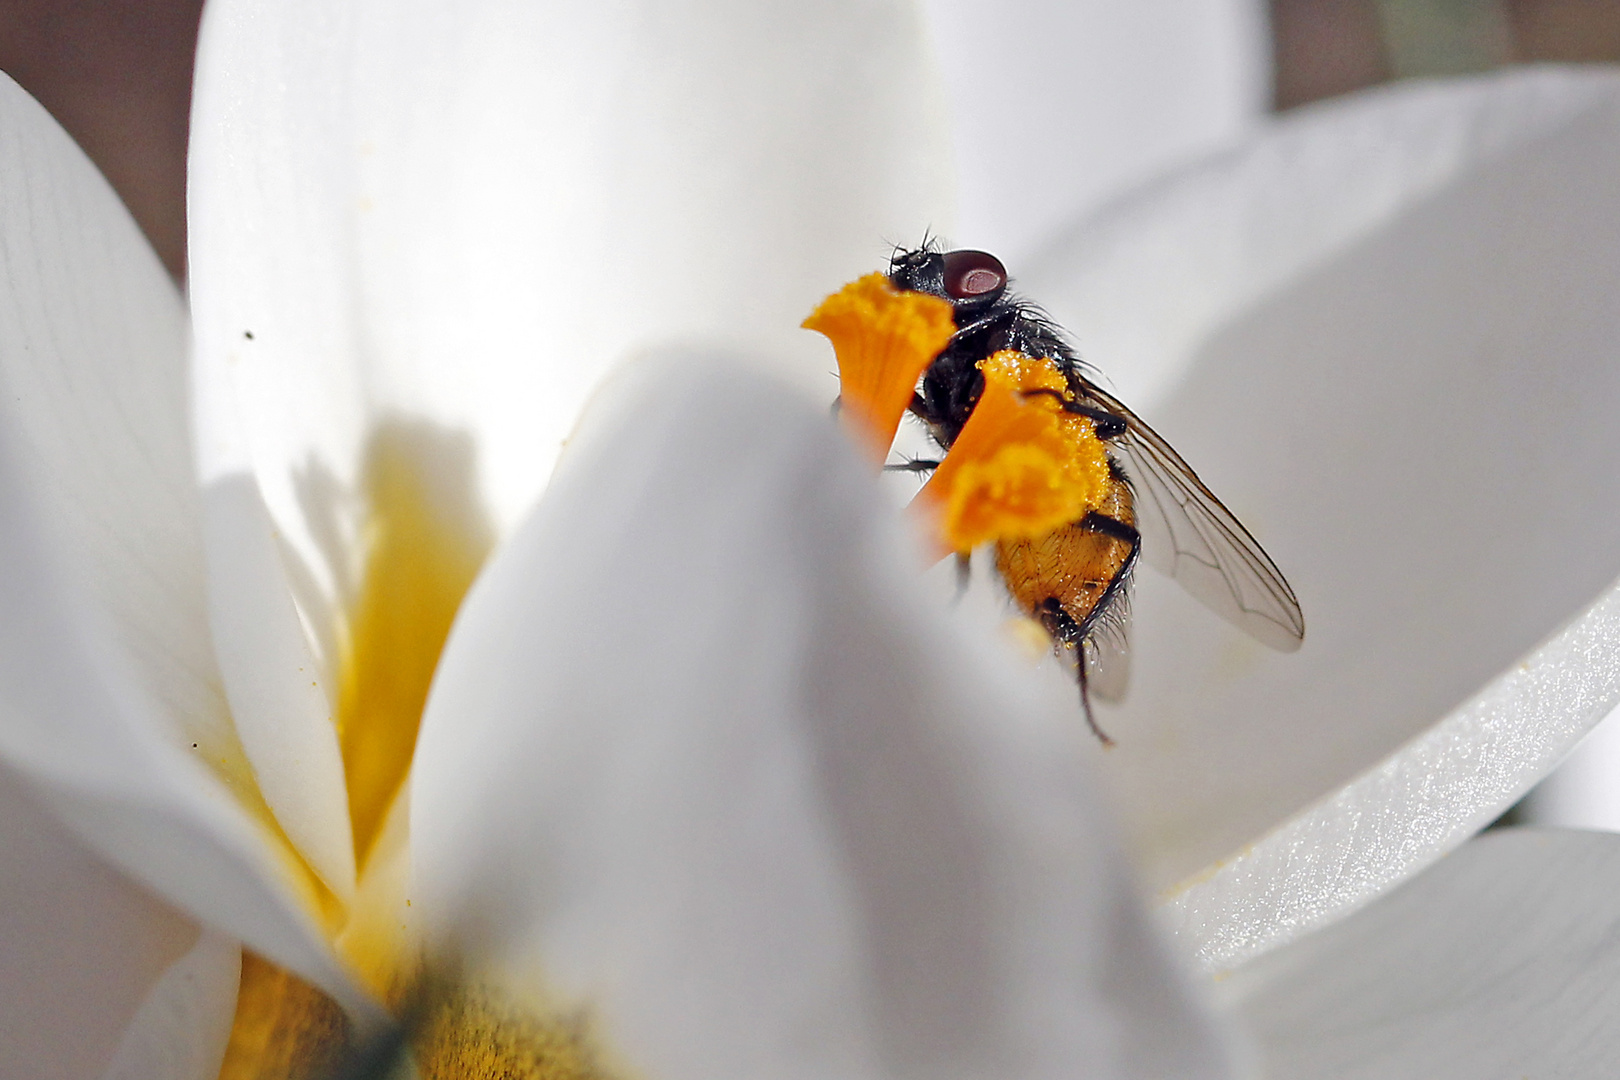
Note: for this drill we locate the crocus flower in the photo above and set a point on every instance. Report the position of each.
(704, 779)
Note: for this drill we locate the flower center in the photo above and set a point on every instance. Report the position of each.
(424, 542)
(291, 1031)
(285, 1029)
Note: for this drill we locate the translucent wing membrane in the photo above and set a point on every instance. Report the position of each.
(1189, 535)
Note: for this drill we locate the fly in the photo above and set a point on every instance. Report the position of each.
(1137, 499)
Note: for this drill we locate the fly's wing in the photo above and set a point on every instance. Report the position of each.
(1189, 535)
(1108, 657)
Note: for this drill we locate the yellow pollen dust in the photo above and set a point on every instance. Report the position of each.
(474, 1032)
(285, 1029)
(884, 338)
(1021, 465)
(460, 1031)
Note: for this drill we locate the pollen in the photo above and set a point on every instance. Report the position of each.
(884, 338)
(463, 1030)
(1022, 465)
(476, 1032)
(285, 1029)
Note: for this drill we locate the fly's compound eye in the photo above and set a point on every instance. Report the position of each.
(974, 277)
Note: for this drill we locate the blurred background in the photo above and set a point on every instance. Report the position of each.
(1058, 106)
(1109, 93)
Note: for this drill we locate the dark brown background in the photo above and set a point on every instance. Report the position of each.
(117, 73)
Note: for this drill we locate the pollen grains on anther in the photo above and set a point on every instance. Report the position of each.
(884, 338)
(1022, 465)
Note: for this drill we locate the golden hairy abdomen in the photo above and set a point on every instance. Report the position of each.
(1071, 564)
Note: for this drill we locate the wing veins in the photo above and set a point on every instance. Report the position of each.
(1190, 535)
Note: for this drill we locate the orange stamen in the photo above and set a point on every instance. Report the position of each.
(1021, 466)
(884, 338)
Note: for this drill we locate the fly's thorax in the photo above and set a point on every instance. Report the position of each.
(951, 387)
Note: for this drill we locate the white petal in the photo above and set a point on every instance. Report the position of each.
(1397, 818)
(109, 694)
(182, 1027)
(283, 716)
(93, 399)
(1146, 284)
(1384, 333)
(1057, 105)
(703, 754)
(81, 729)
(466, 212)
(82, 944)
(1501, 960)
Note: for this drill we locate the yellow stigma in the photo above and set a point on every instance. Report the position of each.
(884, 337)
(1021, 466)
(425, 542)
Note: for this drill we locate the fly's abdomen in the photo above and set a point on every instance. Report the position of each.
(1069, 577)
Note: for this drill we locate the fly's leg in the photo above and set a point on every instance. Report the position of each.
(964, 574)
(1108, 426)
(1125, 534)
(1061, 625)
(1081, 655)
(918, 408)
(1113, 528)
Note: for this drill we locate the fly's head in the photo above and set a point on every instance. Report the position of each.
(971, 280)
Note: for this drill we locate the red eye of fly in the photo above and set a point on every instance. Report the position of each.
(970, 275)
